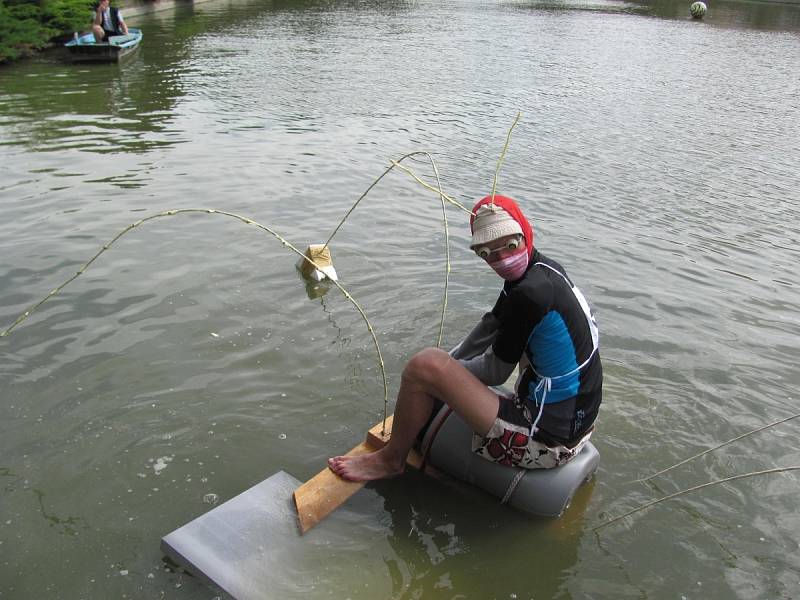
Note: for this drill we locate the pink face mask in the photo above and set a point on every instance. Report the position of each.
(511, 267)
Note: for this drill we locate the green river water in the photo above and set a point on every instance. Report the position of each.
(657, 158)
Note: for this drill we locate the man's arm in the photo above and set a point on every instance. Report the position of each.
(122, 25)
(98, 16)
(488, 368)
(477, 340)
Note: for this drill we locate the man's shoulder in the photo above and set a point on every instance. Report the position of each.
(534, 287)
(549, 262)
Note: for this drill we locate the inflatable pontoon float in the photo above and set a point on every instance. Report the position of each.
(546, 492)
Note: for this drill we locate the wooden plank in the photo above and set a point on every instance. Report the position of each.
(326, 491)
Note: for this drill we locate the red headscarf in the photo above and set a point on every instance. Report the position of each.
(512, 209)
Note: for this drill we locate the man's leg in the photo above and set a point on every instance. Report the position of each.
(430, 374)
(98, 32)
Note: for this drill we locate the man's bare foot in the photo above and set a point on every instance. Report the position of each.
(365, 467)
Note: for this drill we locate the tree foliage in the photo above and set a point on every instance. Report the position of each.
(30, 25)
(67, 16)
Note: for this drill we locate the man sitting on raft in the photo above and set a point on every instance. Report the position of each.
(541, 321)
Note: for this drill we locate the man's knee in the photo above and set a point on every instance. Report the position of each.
(427, 366)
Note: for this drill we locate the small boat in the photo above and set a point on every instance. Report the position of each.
(84, 48)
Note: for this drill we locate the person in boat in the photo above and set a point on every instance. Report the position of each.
(108, 21)
(540, 321)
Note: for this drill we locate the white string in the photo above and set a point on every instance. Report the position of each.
(513, 485)
(544, 385)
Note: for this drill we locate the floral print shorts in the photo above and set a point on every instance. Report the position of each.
(508, 441)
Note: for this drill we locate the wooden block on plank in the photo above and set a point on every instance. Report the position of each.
(378, 436)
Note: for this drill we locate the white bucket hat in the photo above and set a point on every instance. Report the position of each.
(492, 222)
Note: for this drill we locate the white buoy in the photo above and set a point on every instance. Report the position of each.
(698, 10)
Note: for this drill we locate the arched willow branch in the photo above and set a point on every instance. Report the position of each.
(693, 489)
(394, 163)
(442, 197)
(503, 154)
(169, 213)
(425, 184)
(737, 438)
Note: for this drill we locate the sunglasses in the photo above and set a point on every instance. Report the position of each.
(485, 252)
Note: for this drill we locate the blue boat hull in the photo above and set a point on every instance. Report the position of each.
(85, 49)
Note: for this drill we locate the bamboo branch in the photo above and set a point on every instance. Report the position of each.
(744, 435)
(503, 154)
(424, 184)
(442, 197)
(693, 489)
(245, 220)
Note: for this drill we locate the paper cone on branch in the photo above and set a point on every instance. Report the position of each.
(320, 255)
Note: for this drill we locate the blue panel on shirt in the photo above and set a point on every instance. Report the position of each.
(551, 353)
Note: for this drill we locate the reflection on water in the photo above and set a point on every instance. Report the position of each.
(729, 13)
(656, 156)
(100, 109)
(777, 16)
(434, 547)
(63, 525)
